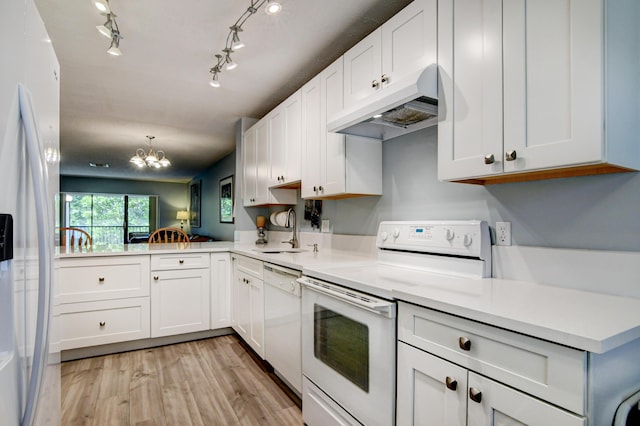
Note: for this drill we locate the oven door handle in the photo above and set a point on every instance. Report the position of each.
(373, 305)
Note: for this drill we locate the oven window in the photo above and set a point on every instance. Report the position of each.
(342, 344)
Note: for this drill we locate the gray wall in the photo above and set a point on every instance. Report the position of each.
(592, 212)
(210, 199)
(171, 196)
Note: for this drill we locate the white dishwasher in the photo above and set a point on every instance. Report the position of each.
(282, 346)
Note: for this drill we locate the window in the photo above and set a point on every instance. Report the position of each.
(110, 218)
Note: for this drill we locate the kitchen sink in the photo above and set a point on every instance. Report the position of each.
(279, 250)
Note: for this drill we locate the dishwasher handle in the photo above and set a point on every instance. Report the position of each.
(372, 304)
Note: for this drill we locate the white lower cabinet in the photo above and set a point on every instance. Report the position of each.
(432, 391)
(220, 290)
(103, 322)
(248, 301)
(456, 371)
(102, 300)
(180, 299)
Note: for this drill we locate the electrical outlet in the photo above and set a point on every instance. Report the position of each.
(503, 233)
(326, 226)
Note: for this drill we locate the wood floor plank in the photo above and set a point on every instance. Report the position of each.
(208, 382)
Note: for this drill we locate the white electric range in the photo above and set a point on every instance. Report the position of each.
(349, 315)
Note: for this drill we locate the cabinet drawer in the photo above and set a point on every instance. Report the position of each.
(249, 265)
(92, 279)
(99, 323)
(552, 372)
(160, 262)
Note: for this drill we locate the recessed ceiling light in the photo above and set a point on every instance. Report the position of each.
(105, 165)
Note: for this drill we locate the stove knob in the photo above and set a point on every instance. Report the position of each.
(396, 233)
(467, 240)
(449, 234)
(384, 235)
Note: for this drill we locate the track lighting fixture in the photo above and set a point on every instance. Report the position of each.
(152, 159)
(110, 28)
(234, 43)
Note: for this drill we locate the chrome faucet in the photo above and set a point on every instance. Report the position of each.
(294, 239)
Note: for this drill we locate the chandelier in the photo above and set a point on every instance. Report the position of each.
(224, 61)
(150, 158)
(110, 28)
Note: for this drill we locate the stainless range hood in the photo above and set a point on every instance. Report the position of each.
(402, 107)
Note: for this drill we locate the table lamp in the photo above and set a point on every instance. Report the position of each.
(182, 216)
(261, 223)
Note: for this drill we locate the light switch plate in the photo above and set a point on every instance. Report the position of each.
(326, 226)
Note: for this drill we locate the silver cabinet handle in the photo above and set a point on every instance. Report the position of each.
(315, 189)
(464, 343)
(375, 84)
(384, 78)
(156, 278)
(510, 155)
(489, 159)
(181, 261)
(320, 188)
(475, 395)
(101, 279)
(452, 384)
(102, 323)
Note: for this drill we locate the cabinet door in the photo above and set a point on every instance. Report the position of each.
(250, 166)
(310, 98)
(362, 69)
(220, 290)
(277, 142)
(470, 108)
(263, 171)
(256, 298)
(553, 82)
(409, 40)
(501, 405)
(431, 391)
(292, 111)
(243, 314)
(332, 145)
(179, 301)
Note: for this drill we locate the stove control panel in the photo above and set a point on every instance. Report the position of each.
(468, 238)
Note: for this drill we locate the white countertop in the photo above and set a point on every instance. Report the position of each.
(581, 319)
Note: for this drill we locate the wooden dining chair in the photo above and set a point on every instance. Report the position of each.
(75, 237)
(168, 235)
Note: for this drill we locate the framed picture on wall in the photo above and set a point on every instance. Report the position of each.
(226, 200)
(194, 205)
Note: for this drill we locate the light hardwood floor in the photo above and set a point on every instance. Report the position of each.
(207, 382)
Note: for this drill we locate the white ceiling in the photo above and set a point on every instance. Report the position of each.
(159, 86)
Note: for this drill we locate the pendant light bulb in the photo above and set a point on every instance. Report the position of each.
(104, 31)
(231, 65)
(273, 7)
(237, 44)
(215, 82)
(102, 5)
(114, 50)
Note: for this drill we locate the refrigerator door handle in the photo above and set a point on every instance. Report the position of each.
(44, 215)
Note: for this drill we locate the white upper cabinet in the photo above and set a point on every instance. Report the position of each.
(402, 45)
(257, 168)
(535, 89)
(335, 166)
(285, 138)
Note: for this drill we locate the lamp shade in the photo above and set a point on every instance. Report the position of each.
(182, 215)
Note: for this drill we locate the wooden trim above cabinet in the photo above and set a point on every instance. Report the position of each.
(585, 170)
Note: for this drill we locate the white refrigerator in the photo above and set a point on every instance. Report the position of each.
(29, 184)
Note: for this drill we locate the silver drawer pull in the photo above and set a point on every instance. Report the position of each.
(101, 279)
(181, 261)
(464, 343)
(475, 395)
(510, 155)
(156, 278)
(452, 384)
(489, 159)
(102, 323)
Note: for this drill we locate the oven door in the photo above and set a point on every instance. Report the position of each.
(348, 349)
